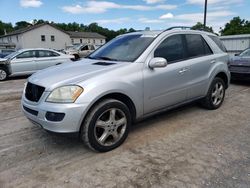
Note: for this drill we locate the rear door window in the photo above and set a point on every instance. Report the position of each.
(47, 53)
(196, 46)
(172, 49)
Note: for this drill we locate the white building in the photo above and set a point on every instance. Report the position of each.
(87, 38)
(48, 36)
(236, 43)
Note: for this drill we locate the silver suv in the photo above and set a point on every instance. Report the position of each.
(133, 76)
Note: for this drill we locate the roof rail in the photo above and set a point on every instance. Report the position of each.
(178, 27)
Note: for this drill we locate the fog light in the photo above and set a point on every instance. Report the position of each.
(53, 116)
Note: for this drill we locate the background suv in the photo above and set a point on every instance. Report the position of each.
(133, 76)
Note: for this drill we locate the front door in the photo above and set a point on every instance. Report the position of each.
(167, 86)
(24, 63)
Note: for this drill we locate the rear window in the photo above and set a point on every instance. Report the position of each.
(218, 42)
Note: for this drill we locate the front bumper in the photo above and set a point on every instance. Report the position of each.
(240, 76)
(71, 122)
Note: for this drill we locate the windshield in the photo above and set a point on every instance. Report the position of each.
(10, 56)
(245, 53)
(123, 48)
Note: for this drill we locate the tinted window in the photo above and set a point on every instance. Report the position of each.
(84, 48)
(172, 49)
(219, 43)
(197, 46)
(27, 54)
(46, 53)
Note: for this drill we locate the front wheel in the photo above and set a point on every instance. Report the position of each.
(215, 95)
(3, 74)
(106, 125)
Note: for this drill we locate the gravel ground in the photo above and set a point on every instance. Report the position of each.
(187, 147)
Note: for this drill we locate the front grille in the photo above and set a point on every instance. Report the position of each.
(33, 112)
(33, 92)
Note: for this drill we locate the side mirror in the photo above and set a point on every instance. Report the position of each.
(157, 62)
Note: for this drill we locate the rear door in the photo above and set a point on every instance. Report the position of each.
(47, 58)
(24, 63)
(200, 59)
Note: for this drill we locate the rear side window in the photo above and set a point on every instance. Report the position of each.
(172, 49)
(46, 53)
(197, 46)
(218, 42)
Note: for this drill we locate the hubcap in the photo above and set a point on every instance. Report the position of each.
(217, 94)
(110, 127)
(3, 74)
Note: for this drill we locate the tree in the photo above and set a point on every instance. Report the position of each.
(21, 25)
(5, 28)
(236, 26)
(200, 26)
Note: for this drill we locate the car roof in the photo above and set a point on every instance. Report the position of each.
(155, 33)
(28, 49)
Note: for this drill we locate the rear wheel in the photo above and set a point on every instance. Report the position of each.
(215, 95)
(106, 126)
(3, 74)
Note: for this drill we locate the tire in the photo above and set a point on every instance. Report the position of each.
(77, 57)
(3, 74)
(106, 125)
(215, 95)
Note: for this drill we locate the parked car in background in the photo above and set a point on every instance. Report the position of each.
(5, 52)
(134, 76)
(80, 50)
(28, 61)
(240, 66)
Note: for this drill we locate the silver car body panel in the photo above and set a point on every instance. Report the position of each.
(151, 90)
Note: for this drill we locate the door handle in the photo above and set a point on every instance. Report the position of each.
(182, 71)
(213, 61)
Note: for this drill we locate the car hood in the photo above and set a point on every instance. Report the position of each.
(239, 61)
(73, 73)
(3, 59)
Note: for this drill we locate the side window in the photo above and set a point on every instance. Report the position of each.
(46, 53)
(197, 46)
(218, 42)
(27, 54)
(172, 49)
(85, 48)
(91, 47)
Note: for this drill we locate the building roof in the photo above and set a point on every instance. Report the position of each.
(235, 36)
(72, 34)
(76, 34)
(29, 28)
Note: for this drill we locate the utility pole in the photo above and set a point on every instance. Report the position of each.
(205, 14)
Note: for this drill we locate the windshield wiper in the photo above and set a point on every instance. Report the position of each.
(106, 58)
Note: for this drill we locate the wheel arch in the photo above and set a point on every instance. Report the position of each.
(224, 77)
(118, 96)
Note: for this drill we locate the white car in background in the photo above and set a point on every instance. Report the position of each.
(28, 61)
(80, 50)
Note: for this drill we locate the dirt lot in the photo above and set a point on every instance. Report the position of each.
(188, 147)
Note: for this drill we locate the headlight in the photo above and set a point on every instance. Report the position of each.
(65, 94)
